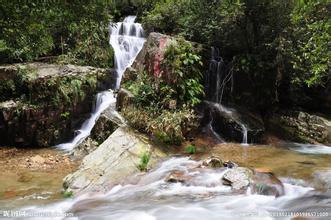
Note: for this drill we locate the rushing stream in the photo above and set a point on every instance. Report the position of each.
(204, 198)
(127, 39)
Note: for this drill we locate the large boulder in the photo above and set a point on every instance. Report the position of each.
(301, 126)
(231, 124)
(114, 160)
(105, 125)
(150, 57)
(124, 99)
(42, 104)
(266, 183)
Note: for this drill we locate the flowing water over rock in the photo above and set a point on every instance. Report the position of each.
(127, 39)
(201, 197)
(309, 148)
(232, 124)
(217, 81)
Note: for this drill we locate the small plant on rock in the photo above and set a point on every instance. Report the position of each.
(190, 149)
(144, 160)
(68, 194)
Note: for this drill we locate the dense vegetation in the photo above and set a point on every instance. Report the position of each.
(164, 104)
(75, 30)
(281, 46)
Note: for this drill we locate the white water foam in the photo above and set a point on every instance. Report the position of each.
(310, 148)
(127, 39)
(154, 198)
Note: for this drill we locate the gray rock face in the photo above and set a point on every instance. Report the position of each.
(124, 99)
(115, 159)
(302, 127)
(238, 178)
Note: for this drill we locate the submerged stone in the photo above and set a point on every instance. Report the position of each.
(213, 162)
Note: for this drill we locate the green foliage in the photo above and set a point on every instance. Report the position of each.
(190, 149)
(181, 59)
(268, 43)
(164, 105)
(65, 115)
(68, 194)
(169, 126)
(33, 29)
(309, 42)
(165, 16)
(144, 160)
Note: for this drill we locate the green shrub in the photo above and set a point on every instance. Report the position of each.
(163, 106)
(169, 126)
(68, 194)
(183, 62)
(30, 30)
(190, 149)
(144, 160)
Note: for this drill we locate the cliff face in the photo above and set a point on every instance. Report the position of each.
(41, 104)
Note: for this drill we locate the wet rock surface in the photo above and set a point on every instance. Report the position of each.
(228, 123)
(212, 162)
(124, 99)
(115, 159)
(106, 124)
(323, 179)
(177, 177)
(42, 104)
(302, 127)
(238, 178)
(265, 182)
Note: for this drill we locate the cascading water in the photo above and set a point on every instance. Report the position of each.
(127, 39)
(216, 81)
(203, 196)
(244, 130)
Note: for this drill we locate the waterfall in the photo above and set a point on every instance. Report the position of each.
(214, 76)
(216, 80)
(127, 39)
(244, 130)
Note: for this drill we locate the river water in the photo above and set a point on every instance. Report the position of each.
(151, 197)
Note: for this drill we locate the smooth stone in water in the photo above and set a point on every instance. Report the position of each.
(213, 162)
(239, 178)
